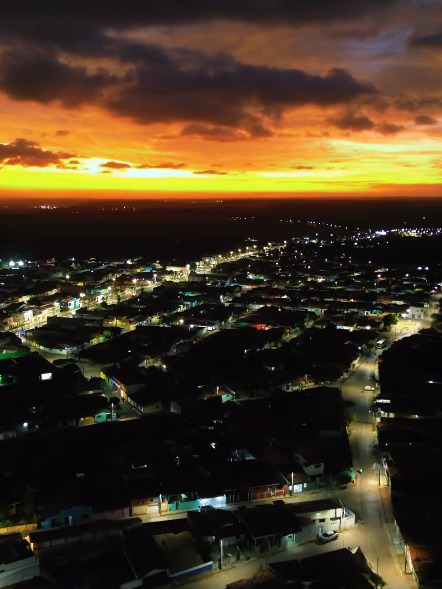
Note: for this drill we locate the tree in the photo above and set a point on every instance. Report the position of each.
(4, 518)
(390, 319)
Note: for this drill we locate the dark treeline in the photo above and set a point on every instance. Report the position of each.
(177, 230)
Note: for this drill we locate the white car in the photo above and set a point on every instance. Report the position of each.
(327, 536)
(369, 388)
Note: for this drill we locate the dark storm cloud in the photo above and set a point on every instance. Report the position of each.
(353, 122)
(389, 128)
(190, 76)
(432, 40)
(22, 152)
(161, 85)
(425, 120)
(414, 104)
(78, 38)
(194, 87)
(212, 133)
(116, 165)
(114, 13)
(39, 76)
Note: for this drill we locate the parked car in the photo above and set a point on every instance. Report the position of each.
(327, 536)
(369, 388)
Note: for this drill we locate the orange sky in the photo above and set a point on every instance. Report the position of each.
(292, 98)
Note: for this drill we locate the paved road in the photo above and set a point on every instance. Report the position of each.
(372, 532)
(88, 370)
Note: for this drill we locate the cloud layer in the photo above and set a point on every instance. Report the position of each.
(145, 86)
(22, 152)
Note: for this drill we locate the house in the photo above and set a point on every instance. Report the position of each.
(124, 381)
(7, 321)
(45, 540)
(272, 527)
(344, 568)
(122, 555)
(326, 514)
(17, 561)
(146, 401)
(67, 517)
(27, 369)
(155, 396)
(183, 555)
(217, 529)
(249, 480)
(414, 312)
(70, 303)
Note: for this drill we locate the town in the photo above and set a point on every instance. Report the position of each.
(260, 417)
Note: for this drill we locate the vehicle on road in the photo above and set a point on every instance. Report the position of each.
(369, 388)
(381, 343)
(327, 536)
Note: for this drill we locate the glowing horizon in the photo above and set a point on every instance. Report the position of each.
(322, 100)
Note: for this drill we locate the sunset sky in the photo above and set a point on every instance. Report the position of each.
(148, 97)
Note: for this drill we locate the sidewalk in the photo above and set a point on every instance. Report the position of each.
(386, 505)
(391, 524)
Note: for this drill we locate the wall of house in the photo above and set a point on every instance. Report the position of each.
(23, 529)
(184, 505)
(328, 519)
(270, 543)
(216, 502)
(307, 534)
(113, 514)
(205, 567)
(267, 492)
(159, 578)
(18, 571)
(75, 515)
(349, 520)
(146, 507)
(151, 408)
(288, 541)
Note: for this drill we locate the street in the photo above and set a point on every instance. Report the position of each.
(373, 511)
(369, 498)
